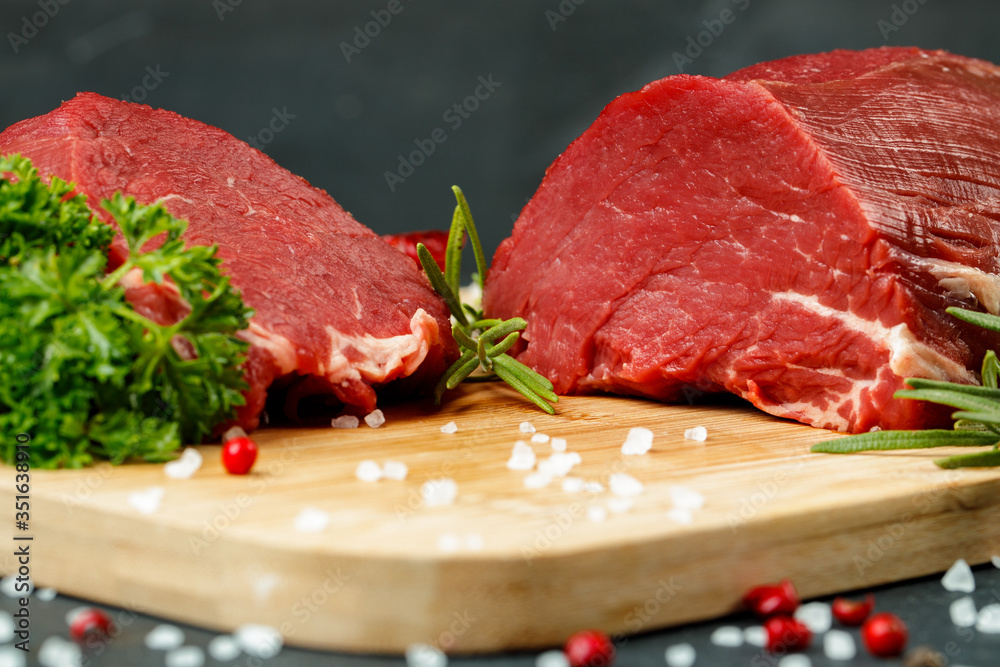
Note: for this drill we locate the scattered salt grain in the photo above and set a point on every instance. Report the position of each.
(685, 498)
(526, 427)
(346, 421)
(963, 612)
(259, 641)
(559, 464)
(593, 487)
(817, 616)
(620, 505)
(375, 418)
(185, 466)
(596, 513)
(727, 635)
(522, 456)
(164, 637)
(539, 438)
(559, 445)
(438, 492)
(312, 520)
(223, 648)
(146, 501)
(368, 471)
(681, 515)
(623, 484)
(537, 480)
(638, 442)
(552, 659)
(58, 652)
(755, 635)
(572, 484)
(795, 660)
(9, 586)
(996, 561)
(450, 427)
(698, 434)
(448, 542)
(839, 645)
(6, 627)
(396, 470)
(988, 619)
(11, 656)
(46, 594)
(680, 655)
(186, 656)
(422, 655)
(959, 578)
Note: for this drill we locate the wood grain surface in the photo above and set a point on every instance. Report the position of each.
(504, 566)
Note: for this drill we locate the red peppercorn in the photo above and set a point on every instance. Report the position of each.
(786, 634)
(853, 612)
(238, 455)
(772, 599)
(589, 648)
(884, 635)
(90, 622)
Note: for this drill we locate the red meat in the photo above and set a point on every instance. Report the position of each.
(338, 311)
(791, 233)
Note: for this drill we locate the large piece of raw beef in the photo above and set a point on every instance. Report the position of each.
(338, 311)
(791, 233)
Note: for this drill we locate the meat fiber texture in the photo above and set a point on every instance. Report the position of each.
(338, 311)
(791, 233)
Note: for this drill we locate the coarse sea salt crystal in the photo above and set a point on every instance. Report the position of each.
(423, 655)
(963, 612)
(522, 456)
(46, 594)
(185, 466)
(6, 627)
(537, 480)
(817, 616)
(259, 641)
(638, 442)
(396, 470)
(680, 655)
(572, 484)
(368, 471)
(988, 619)
(223, 648)
(438, 492)
(164, 637)
(559, 445)
(185, 656)
(681, 515)
(727, 635)
(526, 427)
(345, 421)
(9, 587)
(311, 520)
(839, 645)
(685, 498)
(58, 652)
(593, 487)
(552, 659)
(624, 484)
(448, 542)
(698, 434)
(539, 438)
(450, 427)
(596, 513)
(375, 418)
(11, 656)
(146, 501)
(620, 505)
(755, 635)
(959, 578)
(996, 561)
(559, 463)
(795, 660)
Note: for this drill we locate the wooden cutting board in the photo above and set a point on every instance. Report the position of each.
(504, 566)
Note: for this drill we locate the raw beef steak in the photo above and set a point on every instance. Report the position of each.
(337, 310)
(791, 233)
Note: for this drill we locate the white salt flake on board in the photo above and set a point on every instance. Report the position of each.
(185, 656)
(185, 466)
(537, 480)
(963, 612)
(552, 659)
(624, 484)
(839, 645)
(988, 619)
(638, 442)
(596, 513)
(11, 656)
(959, 578)
(681, 515)
(698, 434)
(146, 501)
(539, 438)
(685, 498)
(312, 520)
(795, 660)
(727, 635)
(438, 492)
(9, 586)
(424, 655)
(572, 484)
(368, 471)
(164, 637)
(526, 427)
(448, 542)
(522, 456)
(6, 627)
(680, 655)
(620, 505)
(450, 427)
(755, 635)
(375, 418)
(817, 616)
(223, 648)
(395, 470)
(345, 421)
(58, 652)
(593, 487)
(46, 594)
(559, 445)
(259, 641)
(559, 464)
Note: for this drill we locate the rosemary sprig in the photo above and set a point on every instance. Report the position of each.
(484, 341)
(977, 419)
